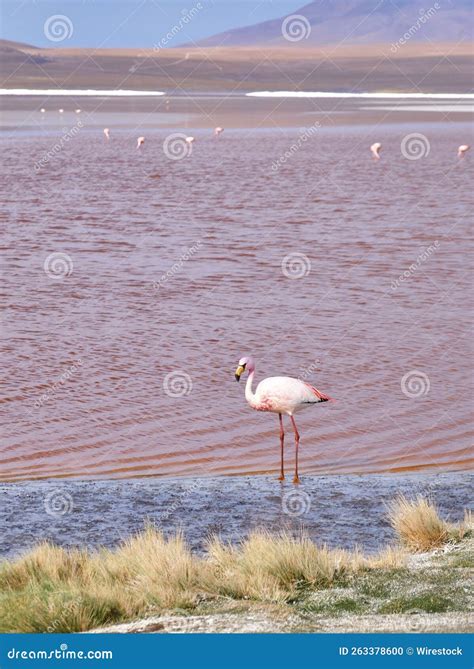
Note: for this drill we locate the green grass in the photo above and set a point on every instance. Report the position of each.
(427, 602)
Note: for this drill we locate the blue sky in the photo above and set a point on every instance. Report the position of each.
(133, 23)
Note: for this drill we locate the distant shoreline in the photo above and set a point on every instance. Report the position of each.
(92, 92)
(79, 92)
(349, 95)
(237, 110)
(419, 67)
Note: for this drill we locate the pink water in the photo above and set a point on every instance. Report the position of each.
(88, 354)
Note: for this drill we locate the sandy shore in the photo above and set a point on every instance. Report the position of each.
(264, 623)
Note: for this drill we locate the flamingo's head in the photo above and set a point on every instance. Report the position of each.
(245, 364)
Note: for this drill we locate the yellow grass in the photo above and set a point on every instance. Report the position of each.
(418, 524)
(57, 590)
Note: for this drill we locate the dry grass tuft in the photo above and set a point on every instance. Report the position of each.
(465, 528)
(56, 590)
(272, 568)
(418, 524)
(389, 558)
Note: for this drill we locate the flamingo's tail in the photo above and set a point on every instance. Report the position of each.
(321, 396)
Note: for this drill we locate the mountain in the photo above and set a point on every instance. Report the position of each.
(359, 22)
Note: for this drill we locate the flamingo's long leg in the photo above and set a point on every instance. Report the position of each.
(282, 440)
(297, 443)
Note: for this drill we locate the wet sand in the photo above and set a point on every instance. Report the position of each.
(341, 511)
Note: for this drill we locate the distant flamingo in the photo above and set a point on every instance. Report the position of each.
(376, 148)
(42, 110)
(61, 111)
(189, 140)
(107, 133)
(279, 394)
(140, 141)
(218, 131)
(78, 111)
(462, 150)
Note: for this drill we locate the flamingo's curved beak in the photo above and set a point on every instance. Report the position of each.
(239, 371)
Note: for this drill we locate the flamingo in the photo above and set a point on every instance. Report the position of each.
(189, 140)
(42, 110)
(217, 131)
(140, 141)
(107, 133)
(376, 148)
(61, 111)
(78, 111)
(462, 150)
(279, 394)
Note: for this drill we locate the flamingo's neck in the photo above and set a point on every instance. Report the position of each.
(249, 394)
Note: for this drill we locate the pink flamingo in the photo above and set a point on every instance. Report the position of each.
(189, 140)
(140, 142)
(376, 148)
(218, 131)
(107, 133)
(462, 150)
(279, 394)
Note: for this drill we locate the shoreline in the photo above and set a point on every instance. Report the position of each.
(268, 476)
(376, 95)
(269, 582)
(333, 509)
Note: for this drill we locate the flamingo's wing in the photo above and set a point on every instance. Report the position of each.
(321, 397)
(285, 394)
